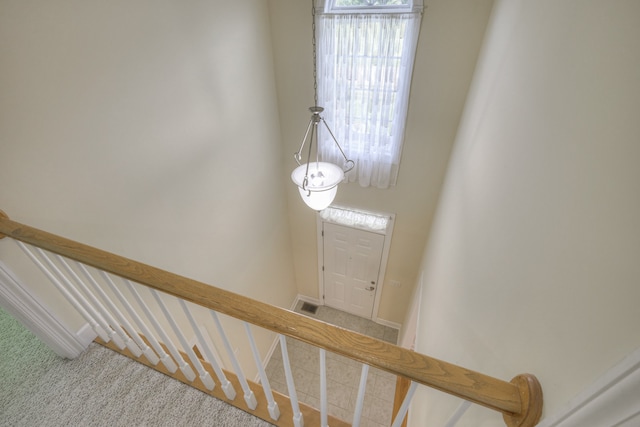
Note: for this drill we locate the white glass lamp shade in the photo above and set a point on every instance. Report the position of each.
(322, 185)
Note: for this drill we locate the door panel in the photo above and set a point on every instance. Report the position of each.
(338, 259)
(351, 266)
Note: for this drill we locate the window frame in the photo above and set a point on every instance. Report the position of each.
(330, 7)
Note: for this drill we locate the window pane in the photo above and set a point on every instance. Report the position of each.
(365, 63)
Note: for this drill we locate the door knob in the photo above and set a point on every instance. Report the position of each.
(370, 288)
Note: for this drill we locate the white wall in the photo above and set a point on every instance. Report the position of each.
(148, 129)
(450, 38)
(533, 261)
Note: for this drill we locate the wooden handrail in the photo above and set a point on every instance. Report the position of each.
(520, 401)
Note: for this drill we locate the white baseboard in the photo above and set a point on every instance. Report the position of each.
(268, 356)
(318, 302)
(388, 323)
(276, 341)
(28, 310)
(304, 298)
(611, 401)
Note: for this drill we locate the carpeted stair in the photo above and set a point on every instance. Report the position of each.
(99, 388)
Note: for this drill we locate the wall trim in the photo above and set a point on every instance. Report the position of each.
(276, 341)
(611, 401)
(304, 298)
(318, 302)
(267, 358)
(388, 323)
(28, 310)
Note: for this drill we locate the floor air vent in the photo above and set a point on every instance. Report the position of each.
(309, 308)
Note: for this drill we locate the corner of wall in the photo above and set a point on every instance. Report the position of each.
(28, 310)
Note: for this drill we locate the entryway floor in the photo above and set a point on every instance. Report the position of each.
(343, 375)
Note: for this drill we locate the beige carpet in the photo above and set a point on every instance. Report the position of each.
(99, 388)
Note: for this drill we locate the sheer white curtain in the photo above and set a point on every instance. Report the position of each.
(357, 219)
(364, 68)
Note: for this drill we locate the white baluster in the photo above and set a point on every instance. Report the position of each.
(184, 367)
(95, 314)
(69, 297)
(226, 385)
(204, 375)
(357, 415)
(298, 421)
(166, 360)
(323, 389)
(402, 412)
(458, 413)
(107, 318)
(248, 393)
(274, 411)
(119, 317)
(93, 305)
(146, 350)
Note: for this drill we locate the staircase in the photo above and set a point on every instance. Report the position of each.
(194, 332)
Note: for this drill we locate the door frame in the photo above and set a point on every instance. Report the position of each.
(387, 233)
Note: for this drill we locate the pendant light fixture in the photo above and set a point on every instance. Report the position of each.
(317, 181)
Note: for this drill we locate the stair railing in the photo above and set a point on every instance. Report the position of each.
(87, 277)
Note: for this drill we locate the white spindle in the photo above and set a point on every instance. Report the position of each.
(115, 323)
(94, 306)
(357, 414)
(105, 319)
(298, 421)
(166, 360)
(402, 412)
(69, 297)
(323, 389)
(274, 411)
(226, 385)
(204, 375)
(249, 397)
(464, 405)
(119, 317)
(185, 368)
(146, 350)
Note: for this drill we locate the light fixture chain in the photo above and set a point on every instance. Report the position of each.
(313, 41)
(317, 189)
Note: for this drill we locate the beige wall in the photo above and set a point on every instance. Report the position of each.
(533, 261)
(148, 129)
(449, 41)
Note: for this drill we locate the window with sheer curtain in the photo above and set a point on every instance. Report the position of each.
(366, 50)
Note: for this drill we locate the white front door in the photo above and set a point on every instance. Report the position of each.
(352, 260)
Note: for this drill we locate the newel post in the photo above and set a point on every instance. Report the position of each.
(3, 216)
(531, 397)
